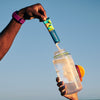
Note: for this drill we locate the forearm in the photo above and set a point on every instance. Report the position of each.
(7, 36)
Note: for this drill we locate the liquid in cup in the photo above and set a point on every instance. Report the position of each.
(66, 71)
(63, 63)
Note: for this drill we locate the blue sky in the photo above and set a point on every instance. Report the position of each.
(27, 71)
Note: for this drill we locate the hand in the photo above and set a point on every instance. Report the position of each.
(33, 11)
(62, 87)
(63, 91)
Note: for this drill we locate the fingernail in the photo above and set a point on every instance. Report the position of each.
(31, 18)
(59, 83)
(57, 79)
(44, 19)
(63, 93)
(62, 88)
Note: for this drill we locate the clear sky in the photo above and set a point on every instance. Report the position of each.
(27, 71)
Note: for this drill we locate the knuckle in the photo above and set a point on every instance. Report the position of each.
(63, 93)
(60, 89)
(38, 4)
(57, 79)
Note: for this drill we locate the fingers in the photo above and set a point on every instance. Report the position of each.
(63, 93)
(40, 13)
(59, 84)
(62, 87)
(39, 16)
(62, 90)
(37, 11)
(33, 11)
(31, 18)
(43, 12)
(57, 79)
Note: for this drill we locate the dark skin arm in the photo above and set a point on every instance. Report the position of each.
(8, 35)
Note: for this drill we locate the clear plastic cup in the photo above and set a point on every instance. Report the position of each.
(66, 71)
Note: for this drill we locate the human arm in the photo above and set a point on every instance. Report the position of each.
(9, 33)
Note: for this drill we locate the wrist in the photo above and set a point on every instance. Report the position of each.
(75, 97)
(18, 16)
(21, 13)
